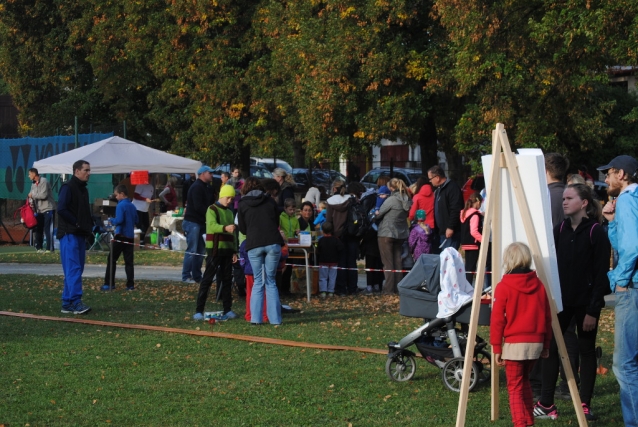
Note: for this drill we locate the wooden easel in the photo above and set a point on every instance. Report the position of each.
(502, 157)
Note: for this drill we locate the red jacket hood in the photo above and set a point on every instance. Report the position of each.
(522, 282)
(425, 190)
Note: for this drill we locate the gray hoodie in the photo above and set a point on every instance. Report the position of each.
(393, 215)
(42, 196)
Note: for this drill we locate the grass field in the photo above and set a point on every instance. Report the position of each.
(27, 254)
(64, 374)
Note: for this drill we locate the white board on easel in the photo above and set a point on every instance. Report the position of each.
(531, 166)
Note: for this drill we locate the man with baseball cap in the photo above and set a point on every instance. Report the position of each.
(200, 196)
(622, 214)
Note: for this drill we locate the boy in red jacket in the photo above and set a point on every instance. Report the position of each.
(520, 328)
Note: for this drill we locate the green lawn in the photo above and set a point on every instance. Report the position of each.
(56, 373)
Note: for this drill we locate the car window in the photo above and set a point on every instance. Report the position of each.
(300, 178)
(413, 177)
(260, 172)
(403, 177)
(371, 177)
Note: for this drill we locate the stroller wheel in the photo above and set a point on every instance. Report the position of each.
(400, 367)
(452, 374)
(483, 360)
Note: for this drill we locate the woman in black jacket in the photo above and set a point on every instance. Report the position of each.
(258, 219)
(582, 252)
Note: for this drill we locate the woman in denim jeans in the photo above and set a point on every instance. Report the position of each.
(258, 219)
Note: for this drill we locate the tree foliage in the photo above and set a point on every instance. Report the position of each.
(539, 67)
(219, 79)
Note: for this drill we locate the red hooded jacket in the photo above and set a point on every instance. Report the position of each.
(424, 199)
(520, 312)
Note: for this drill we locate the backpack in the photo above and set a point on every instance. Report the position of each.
(358, 222)
(27, 217)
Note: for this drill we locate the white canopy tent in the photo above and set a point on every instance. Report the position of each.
(117, 155)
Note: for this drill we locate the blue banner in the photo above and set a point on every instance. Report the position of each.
(18, 155)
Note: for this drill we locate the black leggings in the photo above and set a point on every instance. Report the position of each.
(587, 351)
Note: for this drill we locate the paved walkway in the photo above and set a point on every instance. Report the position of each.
(95, 270)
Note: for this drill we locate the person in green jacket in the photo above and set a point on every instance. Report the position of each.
(221, 254)
(289, 225)
(288, 222)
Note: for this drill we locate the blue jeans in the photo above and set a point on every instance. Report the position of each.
(327, 278)
(72, 255)
(195, 250)
(268, 258)
(626, 353)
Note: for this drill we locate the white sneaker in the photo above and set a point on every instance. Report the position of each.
(231, 315)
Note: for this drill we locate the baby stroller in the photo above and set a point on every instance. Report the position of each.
(438, 341)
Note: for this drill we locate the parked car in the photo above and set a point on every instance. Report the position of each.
(600, 188)
(271, 164)
(260, 171)
(323, 177)
(255, 170)
(409, 176)
(472, 185)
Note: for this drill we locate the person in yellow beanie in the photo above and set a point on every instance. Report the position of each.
(221, 253)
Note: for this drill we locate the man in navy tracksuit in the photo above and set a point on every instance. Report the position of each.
(75, 223)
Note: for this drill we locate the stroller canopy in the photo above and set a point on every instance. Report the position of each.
(435, 287)
(419, 289)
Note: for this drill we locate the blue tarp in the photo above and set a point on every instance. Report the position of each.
(18, 155)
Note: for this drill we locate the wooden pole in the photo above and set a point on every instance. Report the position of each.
(492, 189)
(497, 250)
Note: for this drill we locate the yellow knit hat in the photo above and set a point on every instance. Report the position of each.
(227, 191)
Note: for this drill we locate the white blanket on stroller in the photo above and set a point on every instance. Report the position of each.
(455, 289)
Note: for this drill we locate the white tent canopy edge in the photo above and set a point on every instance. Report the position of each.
(117, 155)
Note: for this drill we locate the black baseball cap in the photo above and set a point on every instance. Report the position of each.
(624, 162)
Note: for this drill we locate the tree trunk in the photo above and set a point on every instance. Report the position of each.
(428, 142)
(244, 160)
(299, 154)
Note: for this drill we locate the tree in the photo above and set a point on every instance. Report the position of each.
(47, 76)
